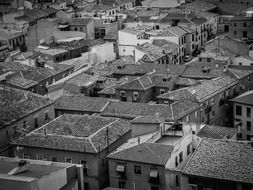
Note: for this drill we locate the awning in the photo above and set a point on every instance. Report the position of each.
(120, 168)
(153, 173)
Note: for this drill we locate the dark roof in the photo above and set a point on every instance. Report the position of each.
(216, 132)
(149, 153)
(16, 104)
(245, 98)
(130, 110)
(222, 159)
(81, 133)
(81, 103)
(79, 21)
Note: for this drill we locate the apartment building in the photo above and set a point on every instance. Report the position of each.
(79, 139)
(242, 115)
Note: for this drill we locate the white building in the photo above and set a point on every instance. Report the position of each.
(105, 52)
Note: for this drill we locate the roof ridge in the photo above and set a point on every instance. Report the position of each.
(145, 144)
(89, 138)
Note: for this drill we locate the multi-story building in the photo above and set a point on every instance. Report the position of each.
(242, 115)
(79, 139)
(21, 112)
(205, 170)
(34, 174)
(14, 39)
(241, 27)
(148, 165)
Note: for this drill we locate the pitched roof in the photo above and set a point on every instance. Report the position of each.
(216, 132)
(81, 133)
(139, 83)
(147, 120)
(170, 46)
(150, 153)
(79, 21)
(16, 104)
(245, 98)
(81, 103)
(152, 52)
(222, 159)
(130, 110)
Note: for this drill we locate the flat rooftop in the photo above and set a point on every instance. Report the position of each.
(35, 170)
(168, 140)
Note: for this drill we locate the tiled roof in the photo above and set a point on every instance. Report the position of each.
(223, 160)
(170, 46)
(79, 133)
(131, 110)
(147, 120)
(81, 103)
(216, 132)
(83, 79)
(152, 52)
(150, 153)
(34, 75)
(144, 68)
(16, 104)
(140, 83)
(245, 98)
(180, 94)
(202, 91)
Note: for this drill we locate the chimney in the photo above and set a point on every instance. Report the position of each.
(23, 166)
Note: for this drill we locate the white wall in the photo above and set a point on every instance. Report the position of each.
(105, 52)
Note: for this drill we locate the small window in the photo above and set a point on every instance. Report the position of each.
(122, 93)
(249, 78)
(36, 125)
(176, 161)
(187, 118)
(193, 132)
(248, 126)
(180, 157)
(136, 94)
(68, 160)
(24, 124)
(208, 60)
(248, 137)
(85, 166)
(196, 113)
(46, 116)
(238, 110)
(188, 149)
(177, 181)
(248, 112)
(162, 91)
(137, 169)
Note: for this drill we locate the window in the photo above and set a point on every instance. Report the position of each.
(46, 116)
(180, 157)
(213, 113)
(24, 124)
(248, 137)
(26, 156)
(68, 160)
(187, 118)
(122, 184)
(188, 149)
(208, 60)
(196, 113)
(238, 110)
(235, 24)
(235, 32)
(249, 79)
(154, 188)
(176, 161)
(85, 167)
(137, 169)
(248, 126)
(39, 156)
(193, 132)
(177, 181)
(162, 91)
(122, 93)
(53, 159)
(248, 112)
(36, 122)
